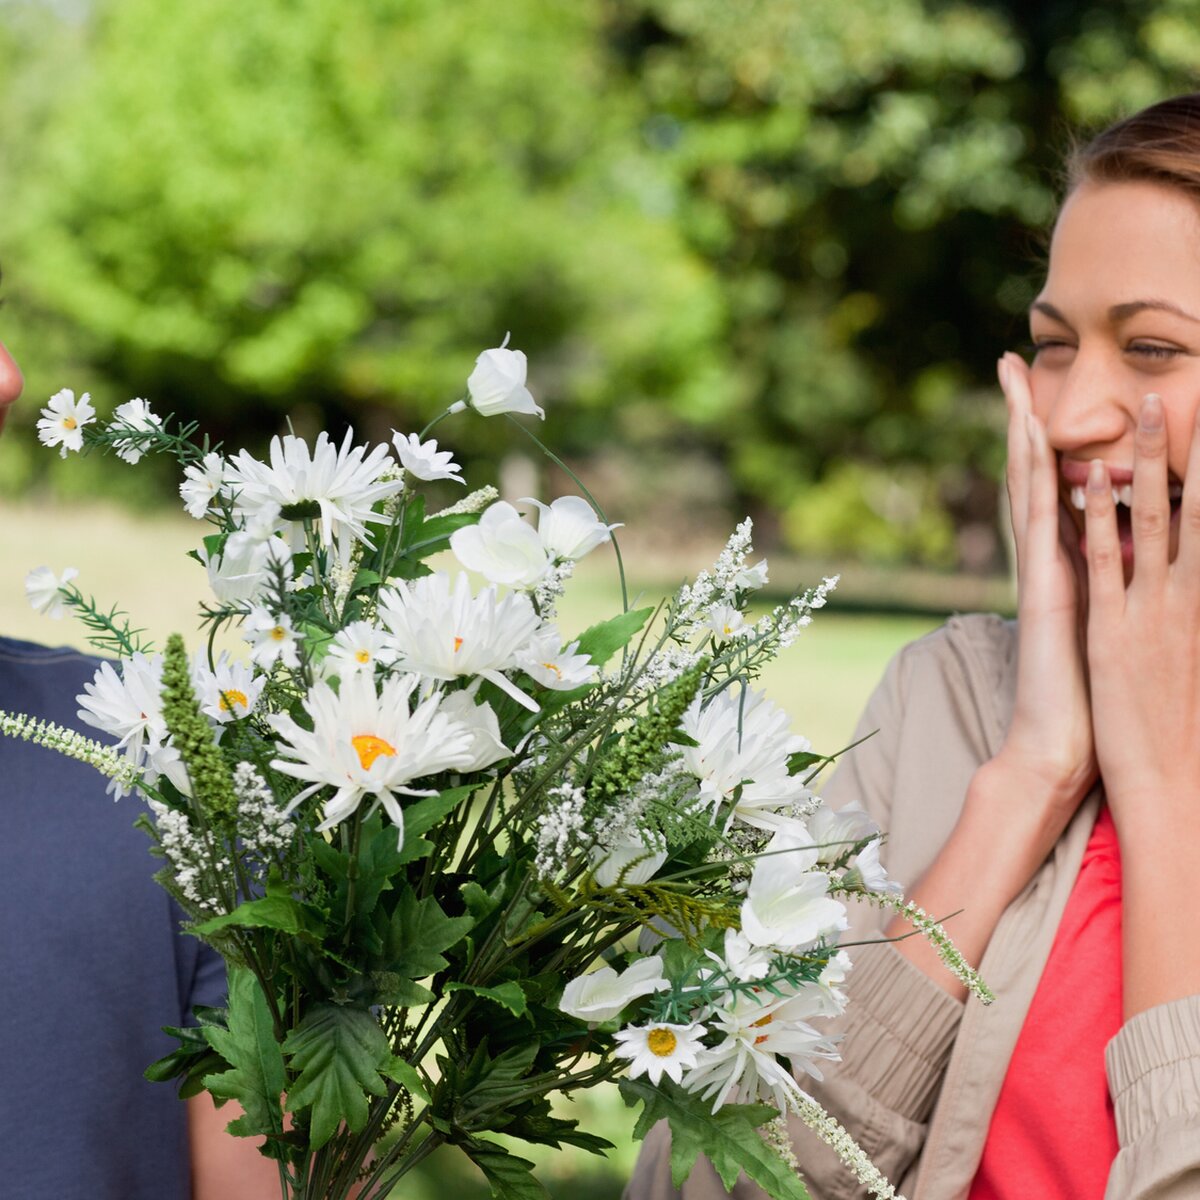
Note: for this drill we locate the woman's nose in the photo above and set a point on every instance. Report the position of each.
(10, 382)
(1087, 408)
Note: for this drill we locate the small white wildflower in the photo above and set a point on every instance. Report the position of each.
(546, 660)
(134, 415)
(424, 459)
(723, 622)
(497, 384)
(659, 1049)
(271, 638)
(201, 484)
(360, 646)
(43, 590)
(62, 421)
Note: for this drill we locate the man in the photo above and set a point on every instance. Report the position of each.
(91, 965)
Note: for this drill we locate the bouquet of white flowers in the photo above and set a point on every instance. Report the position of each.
(457, 862)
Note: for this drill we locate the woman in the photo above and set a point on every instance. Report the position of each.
(1048, 784)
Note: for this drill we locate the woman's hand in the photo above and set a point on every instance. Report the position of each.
(1143, 645)
(1049, 743)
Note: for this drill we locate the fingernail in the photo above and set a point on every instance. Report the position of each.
(1151, 418)
(1098, 477)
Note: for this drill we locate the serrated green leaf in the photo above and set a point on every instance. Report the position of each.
(338, 1051)
(418, 933)
(256, 1078)
(728, 1138)
(602, 641)
(406, 1075)
(510, 1177)
(278, 909)
(509, 995)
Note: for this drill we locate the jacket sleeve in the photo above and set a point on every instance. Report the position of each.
(1154, 1079)
(899, 1026)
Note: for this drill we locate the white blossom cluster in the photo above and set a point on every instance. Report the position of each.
(551, 587)
(264, 828)
(473, 502)
(188, 855)
(789, 619)
(717, 593)
(71, 744)
(560, 830)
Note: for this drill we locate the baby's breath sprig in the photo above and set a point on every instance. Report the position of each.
(71, 744)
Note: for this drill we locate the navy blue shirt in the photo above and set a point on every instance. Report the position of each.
(92, 964)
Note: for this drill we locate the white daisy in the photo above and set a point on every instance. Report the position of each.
(424, 459)
(271, 638)
(447, 634)
(743, 738)
(659, 1049)
(723, 622)
(244, 567)
(365, 743)
(202, 482)
(134, 415)
(546, 660)
(228, 692)
(62, 421)
(42, 590)
(745, 1066)
(359, 647)
(334, 487)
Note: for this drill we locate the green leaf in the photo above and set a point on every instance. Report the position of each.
(602, 641)
(509, 995)
(729, 1138)
(256, 1079)
(422, 816)
(510, 1177)
(278, 909)
(418, 933)
(406, 1075)
(338, 1051)
(480, 903)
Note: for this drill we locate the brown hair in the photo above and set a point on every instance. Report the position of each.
(1160, 144)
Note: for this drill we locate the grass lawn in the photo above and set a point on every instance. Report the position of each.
(139, 562)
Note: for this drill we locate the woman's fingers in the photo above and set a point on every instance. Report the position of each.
(1151, 517)
(1187, 558)
(1016, 395)
(1106, 572)
(1041, 534)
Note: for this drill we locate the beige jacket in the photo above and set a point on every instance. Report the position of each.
(921, 1072)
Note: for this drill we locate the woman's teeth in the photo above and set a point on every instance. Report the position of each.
(1122, 495)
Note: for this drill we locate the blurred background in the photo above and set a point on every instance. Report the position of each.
(762, 255)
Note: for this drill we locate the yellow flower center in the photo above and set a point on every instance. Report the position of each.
(457, 644)
(552, 667)
(369, 748)
(232, 698)
(661, 1042)
(278, 634)
(70, 423)
(363, 656)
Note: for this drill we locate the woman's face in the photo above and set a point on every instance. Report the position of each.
(10, 382)
(1119, 318)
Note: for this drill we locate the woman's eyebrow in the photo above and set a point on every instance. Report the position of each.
(1118, 312)
(1122, 312)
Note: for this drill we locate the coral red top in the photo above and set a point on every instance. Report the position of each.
(1053, 1134)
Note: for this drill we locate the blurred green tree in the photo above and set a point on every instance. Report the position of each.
(246, 209)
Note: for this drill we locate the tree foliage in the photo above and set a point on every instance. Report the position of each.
(792, 238)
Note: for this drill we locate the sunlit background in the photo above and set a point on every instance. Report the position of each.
(762, 255)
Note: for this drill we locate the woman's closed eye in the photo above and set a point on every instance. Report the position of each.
(1154, 351)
